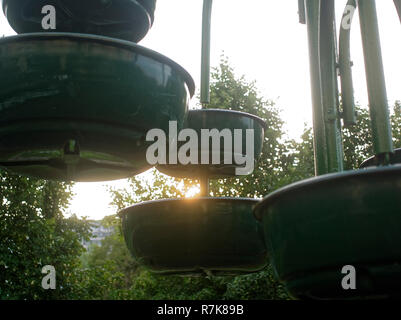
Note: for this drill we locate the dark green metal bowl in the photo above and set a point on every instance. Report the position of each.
(217, 119)
(123, 19)
(375, 161)
(195, 236)
(78, 107)
(150, 6)
(316, 227)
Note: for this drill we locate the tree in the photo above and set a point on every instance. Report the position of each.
(358, 139)
(232, 93)
(34, 233)
(357, 144)
(396, 124)
(112, 249)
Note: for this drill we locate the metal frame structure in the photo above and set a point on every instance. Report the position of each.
(327, 61)
(320, 20)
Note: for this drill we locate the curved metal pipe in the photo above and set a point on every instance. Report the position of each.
(345, 64)
(205, 69)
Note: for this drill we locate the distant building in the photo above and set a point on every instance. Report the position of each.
(99, 232)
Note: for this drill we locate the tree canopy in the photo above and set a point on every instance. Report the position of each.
(34, 233)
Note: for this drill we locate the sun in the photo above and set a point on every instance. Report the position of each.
(192, 192)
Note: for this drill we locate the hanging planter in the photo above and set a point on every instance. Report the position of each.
(78, 107)
(220, 120)
(123, 19)
(316, 227)
(195, 236)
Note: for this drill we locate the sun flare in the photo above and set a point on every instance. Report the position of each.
(192, 192)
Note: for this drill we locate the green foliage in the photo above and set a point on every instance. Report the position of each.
(34, 233)
(159, 187)
(103, 282)
(156, 287)
(357, 141)
(259, 286)
(229, 92)
(396, 124)
(113, 249)
(357, 144)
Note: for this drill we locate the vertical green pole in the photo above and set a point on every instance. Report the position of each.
(205, 69)
(347, 88)
(313, 25)
(205, 75)
(398, 6)
(378, 104)
(204, 187)
(328, 75)
(301, 11)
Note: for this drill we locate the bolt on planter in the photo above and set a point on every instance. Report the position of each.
(95, 93)
(123, 19)
(195, 236)
(316, 227)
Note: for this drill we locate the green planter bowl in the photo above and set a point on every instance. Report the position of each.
(195, 236)
(316, 227)
(219, 119)
(150, 6)
(395, 158)
(123, 19)
(78, 107)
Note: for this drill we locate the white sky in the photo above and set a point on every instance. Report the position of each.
(264, 41)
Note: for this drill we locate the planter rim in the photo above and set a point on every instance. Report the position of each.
(127, 210)
(106, 41)
(232, 112)
(391, 170)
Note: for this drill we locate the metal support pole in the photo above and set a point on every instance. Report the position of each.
(205, 69)
(204, 187)
(328, 76)
(398, 6)
(313, 25)
(378, 104)
(301, 11)
(347, 88)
